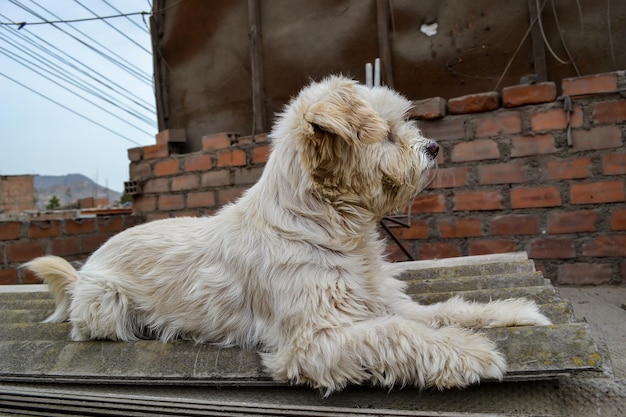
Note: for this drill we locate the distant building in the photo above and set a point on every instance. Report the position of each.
(17, 193)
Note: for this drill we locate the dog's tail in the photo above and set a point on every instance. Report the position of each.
(60, 276)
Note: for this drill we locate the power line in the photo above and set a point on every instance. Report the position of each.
(21, 62)
(113, 27)
(63, 76)
(70, 110)
(127, 66)
(55, 69)
(89, 72)
(128, 18)
(86, 19)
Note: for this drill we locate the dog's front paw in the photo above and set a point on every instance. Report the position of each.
(517, 312)
(471, 358)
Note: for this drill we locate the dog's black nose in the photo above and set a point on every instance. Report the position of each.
(432, 150)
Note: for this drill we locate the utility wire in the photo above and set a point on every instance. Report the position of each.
(89, 72)
(70, 110)
(54, 71)
(113, 27)
(127, 66)
(3, 51)
(86, 19)
(128, 18)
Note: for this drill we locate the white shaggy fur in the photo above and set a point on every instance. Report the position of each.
(295, 268)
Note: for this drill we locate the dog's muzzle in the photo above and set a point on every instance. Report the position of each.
(432, 149)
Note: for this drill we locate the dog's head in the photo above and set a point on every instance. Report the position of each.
(356, 145)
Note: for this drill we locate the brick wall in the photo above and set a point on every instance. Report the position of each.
(73, 239)
(508, 179)
(17, 193)
(170, 184)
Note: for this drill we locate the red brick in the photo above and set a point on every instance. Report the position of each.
(582, 273)
(555, 119)
(171, 136)
(428, 109)
(171, 202)
(597, 192)
(614, 164)
(609, 112)
(605, 137)
(450, 177)
(395, 254)
(157, 216)
(589, 84)
(157, 185)
(66, 246)
(44, 228)
(91, 243)
(247, 175)
(438, 251)
(463, 227)
(156, 151)
(515, 224)
(502, 124)
(131, 221)
(572, 221)
(429, 203)
(486, 247)
(567, 169)
(215, 178)
(505, 173)
(218, 141)
(167, 167)
(10, 230)
(245, 140)
(135, 154)
(524, 197)
(185, 182)
(519, 95)
(201, 199)
(143, 204)
(418, 230)
(261, 154)
(474, 103)
(29, 277)
(618, 219)
(24, 251)
(8, 277)
(235, 157)
(140, 170)
(229, 195)
(198, 163)
(477, 200)
(532, 145)
(551, 248)
(475, 150)
(78, 226)
(448, 128)
(260, 138)
(607, 245)
(112, 224)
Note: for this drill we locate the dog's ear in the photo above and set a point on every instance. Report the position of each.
(343, 113)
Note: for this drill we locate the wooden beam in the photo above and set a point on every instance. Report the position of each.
(256, 61)
(539, 51)
(384, 42)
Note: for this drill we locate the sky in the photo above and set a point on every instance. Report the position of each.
(99, 70)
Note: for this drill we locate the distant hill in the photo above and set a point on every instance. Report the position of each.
(69, 189)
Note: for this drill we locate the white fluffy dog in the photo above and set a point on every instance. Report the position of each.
(296, 268)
